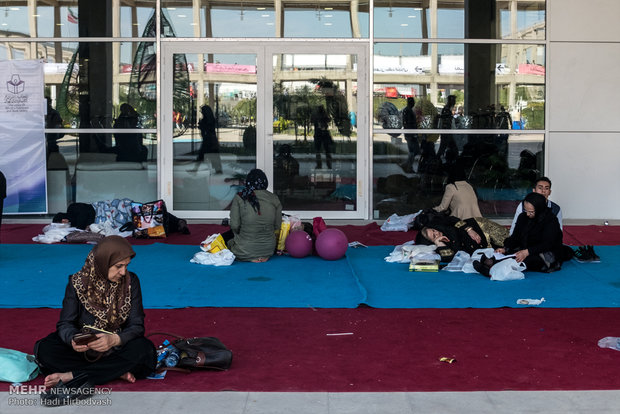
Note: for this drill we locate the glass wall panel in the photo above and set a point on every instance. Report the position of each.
(88, 82)
(314, 131)
(480, 19)
(125, 169)
(255, 19)
(507, 93)
(214, 128)
(500, 167)
(43, 18)
(325, 20)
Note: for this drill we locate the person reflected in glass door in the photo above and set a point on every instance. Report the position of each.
(322, 137)
(210, 144)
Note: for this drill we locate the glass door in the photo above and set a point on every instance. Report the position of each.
(287, 108)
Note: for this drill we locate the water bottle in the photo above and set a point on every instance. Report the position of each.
(611, 342)
(173, 357)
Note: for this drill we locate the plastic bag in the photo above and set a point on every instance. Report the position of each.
(610, 342)
(221, 258)
(477, 255)
(398, 223)
(404, 252)
(213, 244)
(508, 269)
(285, 228)
(460, 259)
(17, 366)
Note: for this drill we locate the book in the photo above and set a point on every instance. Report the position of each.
(424, 266)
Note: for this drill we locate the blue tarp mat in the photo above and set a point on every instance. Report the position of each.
(36, 276)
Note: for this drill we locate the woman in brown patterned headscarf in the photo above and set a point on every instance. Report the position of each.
(105, 295)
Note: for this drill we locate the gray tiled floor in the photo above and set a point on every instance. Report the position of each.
(514, 402)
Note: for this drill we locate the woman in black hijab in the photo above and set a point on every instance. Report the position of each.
(451, 235)
(537, 237)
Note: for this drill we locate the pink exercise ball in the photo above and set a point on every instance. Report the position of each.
(331, 244)
(298, 244)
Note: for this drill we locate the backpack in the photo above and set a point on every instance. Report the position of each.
(200, 352)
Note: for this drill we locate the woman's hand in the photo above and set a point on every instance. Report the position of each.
(104, 342)
(521, 255)
(441, 241)
(475, 236)
(79, 348)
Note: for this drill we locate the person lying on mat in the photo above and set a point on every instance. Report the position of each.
(255, 216)
(541, 186)
(451, 235)
(537, 237)
(105, 295)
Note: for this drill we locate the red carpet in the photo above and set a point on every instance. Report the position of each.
(369, 234)
(389, 350)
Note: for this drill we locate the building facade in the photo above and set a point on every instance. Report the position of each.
(180, 99)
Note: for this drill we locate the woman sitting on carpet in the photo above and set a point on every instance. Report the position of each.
(104, 294)
(451, 235)
(459, 197)
(537, 237)
(255, 217)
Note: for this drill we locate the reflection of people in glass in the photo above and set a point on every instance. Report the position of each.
(52, 120)
(210, 144)
(286, 168)
(446, 120)
(322, 137)
(410, 121)
(129, 146)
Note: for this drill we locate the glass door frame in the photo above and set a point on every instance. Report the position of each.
(264, 51)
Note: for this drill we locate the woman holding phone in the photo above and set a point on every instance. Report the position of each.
(106, 296)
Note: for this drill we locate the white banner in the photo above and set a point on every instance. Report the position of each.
(22, 136)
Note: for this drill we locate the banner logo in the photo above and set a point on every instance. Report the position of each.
(15, 85)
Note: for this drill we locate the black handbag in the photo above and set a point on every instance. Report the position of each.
(200, 353)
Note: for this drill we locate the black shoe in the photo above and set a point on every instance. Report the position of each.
(583, 255)
(595, 257)
(551, 263)
(78, 388)
(484, 265)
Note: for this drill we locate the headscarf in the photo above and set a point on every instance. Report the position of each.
(109, 302)
(255, 180)
(534, 224)
(539, 202)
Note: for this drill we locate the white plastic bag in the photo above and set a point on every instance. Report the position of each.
(460, 259)
(398, 223)
(477, 255)
(508, 269)
(221, 258)
(405, 252)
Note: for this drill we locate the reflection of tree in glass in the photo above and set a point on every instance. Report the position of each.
(142, 84)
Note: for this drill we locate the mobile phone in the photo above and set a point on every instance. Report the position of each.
(84, 338)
